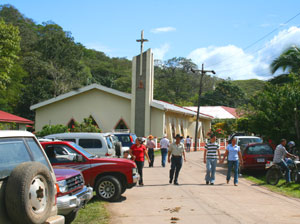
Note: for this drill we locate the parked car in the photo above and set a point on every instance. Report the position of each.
(99, 144)
(72, 193)
(243, 141)
(256, 155)
(109, 177)
(27, 181)
(127, 139)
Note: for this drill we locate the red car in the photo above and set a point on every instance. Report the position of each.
(109, 177)
(256, 155)
(71, 192)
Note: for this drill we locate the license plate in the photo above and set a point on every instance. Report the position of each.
(261, 160)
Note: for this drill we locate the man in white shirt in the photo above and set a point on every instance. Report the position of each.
(164, 145)
(176, 150)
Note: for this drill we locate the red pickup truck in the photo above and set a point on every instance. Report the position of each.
(109, 177)
(72, 194)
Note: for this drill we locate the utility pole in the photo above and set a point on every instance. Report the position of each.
(202, 73)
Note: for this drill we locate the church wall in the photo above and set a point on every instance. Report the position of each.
(157, 122)
(107, 109)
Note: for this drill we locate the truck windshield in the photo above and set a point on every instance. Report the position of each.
(82, 151)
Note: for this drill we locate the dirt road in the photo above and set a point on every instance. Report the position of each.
(195, 202)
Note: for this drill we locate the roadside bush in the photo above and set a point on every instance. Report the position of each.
(86, 126)
(52, 129)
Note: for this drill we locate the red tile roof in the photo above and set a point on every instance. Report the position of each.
(231, 111)
(10, 118)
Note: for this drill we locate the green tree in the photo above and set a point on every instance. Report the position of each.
(9, 49)
(274, 112)
(226, 94)
(288, 60)
(175, 83)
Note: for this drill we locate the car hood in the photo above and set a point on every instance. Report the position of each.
(118, 161)
(63, 173)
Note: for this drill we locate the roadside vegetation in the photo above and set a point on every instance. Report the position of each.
(94, 213)
(292, 189)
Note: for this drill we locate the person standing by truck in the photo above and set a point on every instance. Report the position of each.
(138, 152)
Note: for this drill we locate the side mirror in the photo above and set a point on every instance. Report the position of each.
(79, 158)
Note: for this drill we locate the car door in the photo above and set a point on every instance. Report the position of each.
(83, 166)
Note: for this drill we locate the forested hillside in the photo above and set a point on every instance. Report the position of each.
(43, 61)
(251, 86)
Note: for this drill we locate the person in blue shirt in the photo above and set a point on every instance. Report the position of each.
(234, 154)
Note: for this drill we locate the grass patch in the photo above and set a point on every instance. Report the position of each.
(93, 213)
(291, 189)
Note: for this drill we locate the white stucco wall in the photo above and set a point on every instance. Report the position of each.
(157, 122)
(107, 109)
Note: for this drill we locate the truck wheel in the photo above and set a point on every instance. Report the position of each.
(70, 217)
(273, 176)
(123, 187)
(29, 194)
(108, 188)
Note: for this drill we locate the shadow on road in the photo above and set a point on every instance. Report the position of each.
(121, 199)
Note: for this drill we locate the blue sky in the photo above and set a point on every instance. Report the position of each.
(211, 32)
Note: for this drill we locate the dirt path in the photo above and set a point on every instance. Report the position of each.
(194, 202)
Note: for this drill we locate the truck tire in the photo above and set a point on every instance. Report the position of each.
(29, 194)
(118, 147)
(70, 217)
(108, 188)
(273, 175)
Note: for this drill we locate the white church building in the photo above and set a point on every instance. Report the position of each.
(113, 110)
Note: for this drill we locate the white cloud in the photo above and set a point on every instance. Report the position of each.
(232, 61)
(98, 47)
(163, 29)
(160, 52)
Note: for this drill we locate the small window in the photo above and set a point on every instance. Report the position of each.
(71, 124)
(121, 125)
(37, 153)
(12, 153)
(109, 143)
(90, 143)
(124, 138)
(260, 150)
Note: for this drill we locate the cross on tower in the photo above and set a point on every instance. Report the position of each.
(142, 40)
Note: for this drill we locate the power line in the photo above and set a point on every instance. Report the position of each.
(260, 39)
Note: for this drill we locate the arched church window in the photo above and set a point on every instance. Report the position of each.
(93, 121)
(121, 125)
(71, 123)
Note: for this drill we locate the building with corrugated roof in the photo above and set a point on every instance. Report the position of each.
(11, 121)
(218, 112)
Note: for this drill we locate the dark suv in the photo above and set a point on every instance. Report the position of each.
(127, 139)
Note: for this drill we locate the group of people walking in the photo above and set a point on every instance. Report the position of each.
(174, 153)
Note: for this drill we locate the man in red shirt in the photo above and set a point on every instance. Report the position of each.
(138, 152)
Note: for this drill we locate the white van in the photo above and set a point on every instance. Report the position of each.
(98, 144)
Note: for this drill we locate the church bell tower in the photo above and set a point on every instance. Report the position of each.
(142, 91)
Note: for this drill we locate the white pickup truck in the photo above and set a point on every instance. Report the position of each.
(27, 181)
